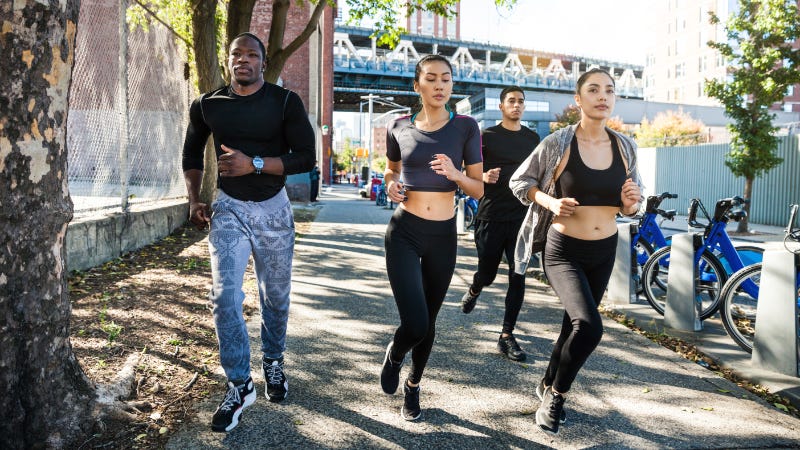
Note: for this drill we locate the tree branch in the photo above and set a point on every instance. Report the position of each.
(158, 19)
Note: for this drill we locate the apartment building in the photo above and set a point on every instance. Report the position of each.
(681, 60)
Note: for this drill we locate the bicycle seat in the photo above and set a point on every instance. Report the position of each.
(668, 214)
(737, 215)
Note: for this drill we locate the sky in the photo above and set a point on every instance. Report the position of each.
(615, 30)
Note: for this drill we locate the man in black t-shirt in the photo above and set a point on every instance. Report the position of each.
(261, 134)
(500, 214)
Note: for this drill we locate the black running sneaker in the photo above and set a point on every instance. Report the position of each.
(548, 416)
(275, 377)
(410, 409)
(237, 398)
(390, 373)
(540, 388)
(468, 301)
(509, 347)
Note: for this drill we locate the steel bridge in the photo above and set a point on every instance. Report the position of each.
(361, 67)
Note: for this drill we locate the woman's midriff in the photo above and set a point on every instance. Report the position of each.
(589, 223)
(430, 205)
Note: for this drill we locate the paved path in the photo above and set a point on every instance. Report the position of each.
(631, 393)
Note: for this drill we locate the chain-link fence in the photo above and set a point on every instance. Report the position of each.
(127, 114)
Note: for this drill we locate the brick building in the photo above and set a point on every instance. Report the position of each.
(309, 73)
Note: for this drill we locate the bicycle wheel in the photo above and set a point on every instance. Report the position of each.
(739, 301)
(380, 200)
(469, 217)
(640, 254)
(710, 276)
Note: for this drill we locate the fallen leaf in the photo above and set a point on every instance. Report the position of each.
(163, 430)
(645, 390)
(782, 407)
(707, 408)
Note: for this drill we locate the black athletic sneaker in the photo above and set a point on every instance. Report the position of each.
(468, 301)
(509, 347)
(540, 388)
(237, 398)
(390, 373)
(548, 416)
(410, 409)
(277, 384)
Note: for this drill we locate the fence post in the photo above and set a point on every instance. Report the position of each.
(622, 286)
(682, 311)
(122, 104)
(775, 341)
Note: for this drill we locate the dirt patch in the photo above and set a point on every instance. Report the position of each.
(153, 302)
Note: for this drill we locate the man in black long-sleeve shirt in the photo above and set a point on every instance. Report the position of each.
(500, 214)
(261, 134)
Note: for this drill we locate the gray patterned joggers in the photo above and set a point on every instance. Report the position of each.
(238, 229)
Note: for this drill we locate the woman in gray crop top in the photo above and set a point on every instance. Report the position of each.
(428, 149)
(579, 235)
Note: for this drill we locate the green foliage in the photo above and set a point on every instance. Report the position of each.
(384, 14)
(572, 115)
(670, 128)
(111, 329)
(379, 164)
(764, 64)
(345, 158)
(177, 16)
(569, 116)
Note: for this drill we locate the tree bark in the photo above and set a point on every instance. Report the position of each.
(742, 227)
(240, 13)
(278, 55)
(204, 37)
(46, 400)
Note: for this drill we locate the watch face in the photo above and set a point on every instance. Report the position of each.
(258, 163)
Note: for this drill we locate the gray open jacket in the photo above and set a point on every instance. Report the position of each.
(537, 171)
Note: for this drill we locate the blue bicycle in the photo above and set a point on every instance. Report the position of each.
(648, 236)
(714, 261)
(470, 208)
(740, 294)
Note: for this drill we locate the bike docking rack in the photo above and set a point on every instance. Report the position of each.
(775, 344)
(622, 286)
(460, 217)
(682, 311)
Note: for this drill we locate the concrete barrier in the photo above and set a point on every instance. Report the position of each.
(621, 286)
(775, 341)
(94, 240)
(682, 310)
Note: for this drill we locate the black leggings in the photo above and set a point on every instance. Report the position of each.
(492, 239)
(420, 260)
(578, 270)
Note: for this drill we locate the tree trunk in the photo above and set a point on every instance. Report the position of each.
(748, 195)
(240, 13)
(204, 37)
(277, 53)
(46, 399)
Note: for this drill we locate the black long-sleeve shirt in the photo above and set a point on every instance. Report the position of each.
(271, 122)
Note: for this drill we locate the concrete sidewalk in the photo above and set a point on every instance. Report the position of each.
(630, 394)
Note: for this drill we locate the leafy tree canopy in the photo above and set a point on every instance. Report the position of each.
(670, 128)
(763, 65)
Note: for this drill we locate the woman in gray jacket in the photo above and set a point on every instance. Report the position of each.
(575, 182)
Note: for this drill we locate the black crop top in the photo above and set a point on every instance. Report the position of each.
(459, 138)
(592, 187)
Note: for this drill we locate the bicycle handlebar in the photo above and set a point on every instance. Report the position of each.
(653, 201)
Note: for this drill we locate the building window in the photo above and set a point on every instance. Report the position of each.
(680, 70)
(537, 106)
(669, 74)
(790, 91)
(702, 64)
(700, 89)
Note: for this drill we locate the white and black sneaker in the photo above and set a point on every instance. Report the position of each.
(390, 372)
(410, 409)
(277, 384)
(540, 388)
(548, 416)
(237, 398)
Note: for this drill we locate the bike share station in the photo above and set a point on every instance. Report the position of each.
(775, 347)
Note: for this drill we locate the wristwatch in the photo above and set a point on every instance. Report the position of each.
(258, 163)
